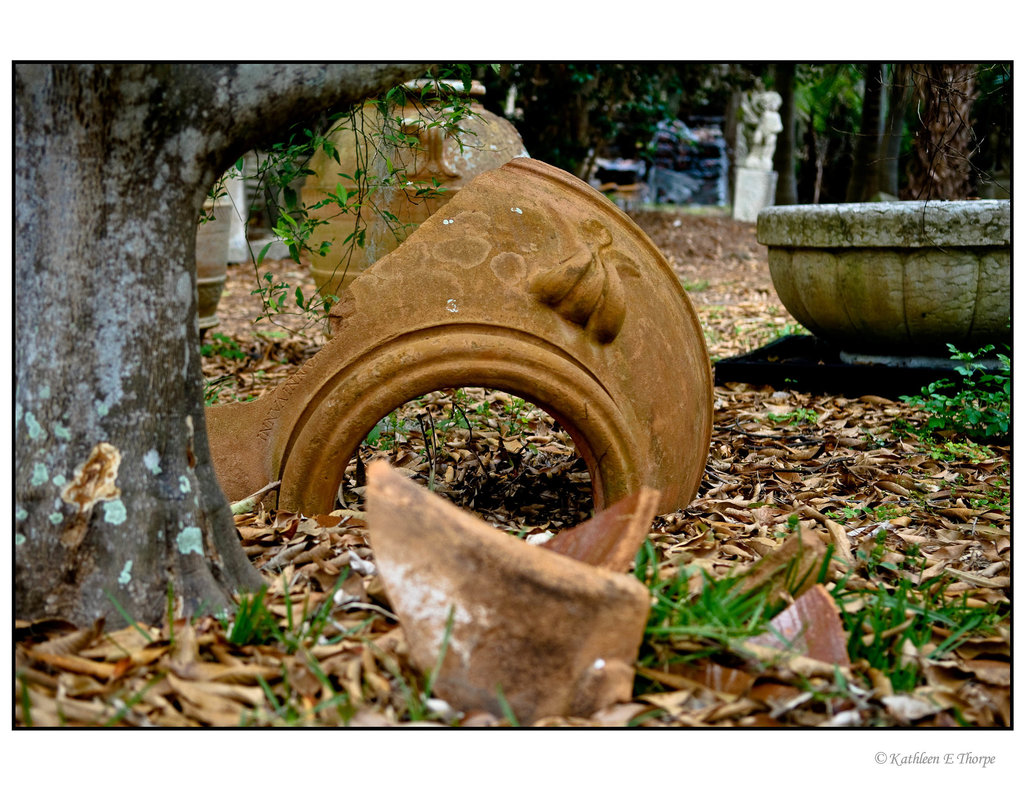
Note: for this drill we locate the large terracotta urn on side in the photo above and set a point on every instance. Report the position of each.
(894, 278)
(213, 237)
(531, 282)
(488, 142)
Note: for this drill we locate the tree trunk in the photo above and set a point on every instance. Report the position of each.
(899, 91)
(730, 130)
(785, 151)
(867, 152)
(939, 167)
(115, 496)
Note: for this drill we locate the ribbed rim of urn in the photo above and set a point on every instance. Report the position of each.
(910, 224)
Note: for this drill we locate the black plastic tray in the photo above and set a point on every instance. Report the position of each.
(806, 363)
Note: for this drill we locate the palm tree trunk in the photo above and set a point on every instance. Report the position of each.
(867, 158)
(939, 168)
(785, 152)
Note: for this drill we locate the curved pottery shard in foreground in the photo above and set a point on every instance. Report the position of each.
(528, 281)
(490, 616)
(903, 277)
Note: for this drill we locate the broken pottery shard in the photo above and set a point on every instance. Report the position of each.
(547, 633)
(811, 627)
(610, 538)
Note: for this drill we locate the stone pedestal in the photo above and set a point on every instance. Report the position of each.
(238, 247)
(755, 189)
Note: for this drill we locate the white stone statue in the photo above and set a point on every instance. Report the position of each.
(762, 123)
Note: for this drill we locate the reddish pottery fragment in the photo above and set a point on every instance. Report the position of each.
(610, 538)
(549, 634)
(811, 627)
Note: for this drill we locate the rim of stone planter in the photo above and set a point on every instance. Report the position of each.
(910, 224)
(529, 281)
(894, 278)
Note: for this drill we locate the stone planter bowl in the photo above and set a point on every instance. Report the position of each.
(895, 278)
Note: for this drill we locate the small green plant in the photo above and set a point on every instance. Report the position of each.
(899, 607)
(879, 513)
(252, 624)
(798, 416)
(223, 346)
(25, 700)
(506, 708)
(977, 407)
(385, 434)
(719, 616)
(997, 498)
(286, 709)
(951, 450)
(212, 389)
(127, 616)
(517, 414)
(790, 328)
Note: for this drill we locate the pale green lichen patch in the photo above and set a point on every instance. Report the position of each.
(185, 288)
(35, 431)
(56, 518)
(101, 408)
(39, 474)
(19, 539)
(126, 574)
(62, 432)
(44, 392)
(190, 540)
(151, 459)
(183, 484)
(114, 512)
(59, 480)
(21, 513)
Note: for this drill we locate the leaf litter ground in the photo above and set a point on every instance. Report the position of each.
(920, 559)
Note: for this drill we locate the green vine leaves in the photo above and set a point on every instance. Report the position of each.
(586, 288)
